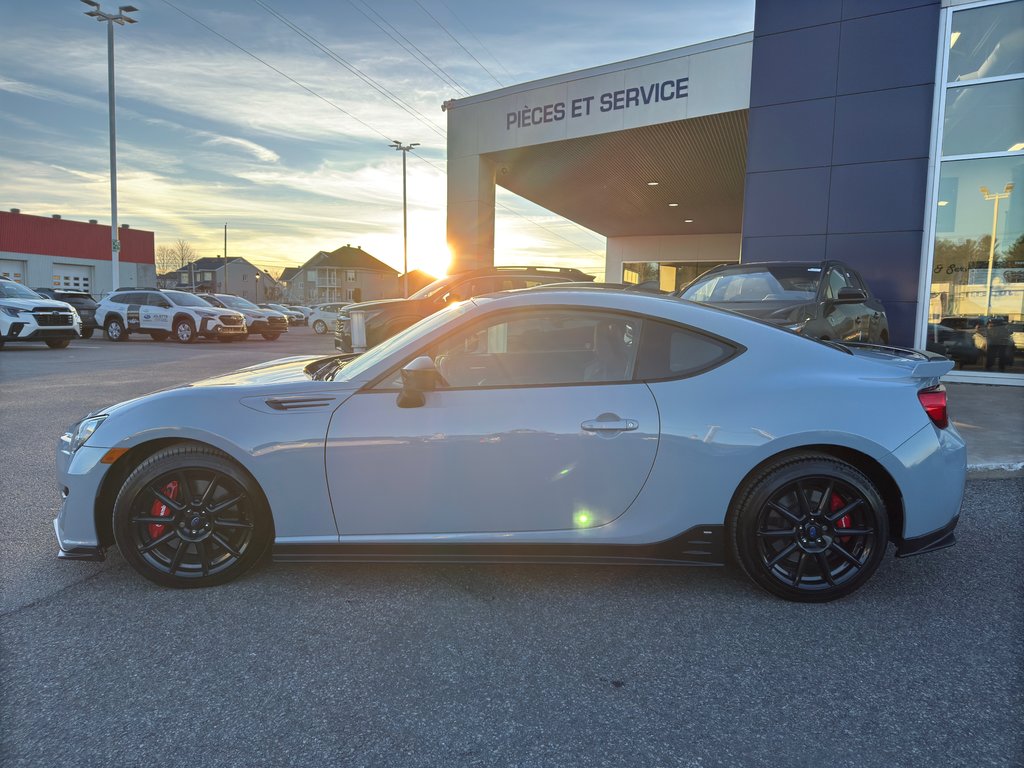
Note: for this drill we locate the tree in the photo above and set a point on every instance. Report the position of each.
(170, 258)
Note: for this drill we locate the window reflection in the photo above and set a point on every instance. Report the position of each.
(987, 117)
(987, 42)
(666, 275)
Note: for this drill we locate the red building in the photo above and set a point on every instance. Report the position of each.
(51, 252)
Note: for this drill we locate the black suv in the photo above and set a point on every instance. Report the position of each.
(821, 299)
(387, 317)
(83, 303)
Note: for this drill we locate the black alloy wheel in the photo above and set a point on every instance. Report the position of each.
(810, 528)
(184, 331)
(114, 330)
(190, 517)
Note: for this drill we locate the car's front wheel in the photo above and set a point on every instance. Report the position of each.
(57, 343)
(320, 327)
(189, 516)
(809, 528)
(271, 336)
(114, 330)
(184, 331)
(87, 333)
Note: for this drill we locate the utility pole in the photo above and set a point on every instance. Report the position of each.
(111, 19)
(995, 197)
(404, 149)
(225, 258)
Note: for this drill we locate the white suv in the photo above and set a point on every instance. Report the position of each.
(27, 316)
(183, 316)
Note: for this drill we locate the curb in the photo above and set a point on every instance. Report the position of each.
(995, 470)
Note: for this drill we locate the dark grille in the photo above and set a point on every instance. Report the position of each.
(48, 318)
(231, 320)
(279, 321)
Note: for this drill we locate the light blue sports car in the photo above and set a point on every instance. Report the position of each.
(564, 425)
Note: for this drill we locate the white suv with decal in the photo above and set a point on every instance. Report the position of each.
(163, 314)
(27, 316)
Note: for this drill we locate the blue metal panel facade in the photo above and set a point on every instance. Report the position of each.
(840, 122)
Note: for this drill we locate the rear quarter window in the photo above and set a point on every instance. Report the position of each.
(671, 351)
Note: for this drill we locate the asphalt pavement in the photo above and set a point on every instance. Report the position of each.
(428, 665)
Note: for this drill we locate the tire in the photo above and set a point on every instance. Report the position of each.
(224, 339)
(271, 336)
(158, 335)
(114, 329)
(218, 521)
(87, 333)
(796, 550)
(184, 331)
(320, 327)
(58, 343)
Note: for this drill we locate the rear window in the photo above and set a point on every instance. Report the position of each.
(669, 351)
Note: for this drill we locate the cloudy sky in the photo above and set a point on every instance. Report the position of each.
(274, 116)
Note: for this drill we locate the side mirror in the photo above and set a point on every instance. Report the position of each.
(419, 376)
(851, 296)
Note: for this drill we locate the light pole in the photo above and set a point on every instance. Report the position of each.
(257, 288)
(111, 19)
(995, 197)
(404, 149)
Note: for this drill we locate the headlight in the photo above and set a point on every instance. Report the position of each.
(12, 311)
(206, 312)
(82, 431)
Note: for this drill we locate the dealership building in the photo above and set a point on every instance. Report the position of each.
(887, 134)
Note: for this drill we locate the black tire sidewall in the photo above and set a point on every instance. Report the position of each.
(120, 324)
(185, 457)
(742, 522)
(192, 331)
(320, 327)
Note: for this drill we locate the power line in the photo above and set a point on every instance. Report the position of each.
(384, 91)
(457, 42)
(478, 41)
(410, 47)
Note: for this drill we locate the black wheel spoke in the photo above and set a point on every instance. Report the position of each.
(216, 509)
(166, 500)
(845, 510)
(779, 533)
(184, 489)
(224, 544)
(204, 555)
(153, 520)
(801, 500)
(826, 498)
(158, 541)
(208, 493)
(781, 556)
(826, 571)
(837, 547)
(232, 524)
(840, 532)
(799, 569)
(788, 514)
(179, 555)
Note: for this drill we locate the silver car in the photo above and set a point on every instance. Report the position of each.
(564, 425)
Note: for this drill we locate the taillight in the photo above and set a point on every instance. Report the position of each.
(934, 402)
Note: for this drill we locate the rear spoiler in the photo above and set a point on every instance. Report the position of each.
(916, 363)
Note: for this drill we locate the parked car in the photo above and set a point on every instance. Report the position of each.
(27, 316)
(268, 323)
(323, 316)
(823, 299)
(83, 303)
(955, 344)
(294, 317)
(534, 426)
(306, 311)
(165, 314)
(386, 317)
(978, 328)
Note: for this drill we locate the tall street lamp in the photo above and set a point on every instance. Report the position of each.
(122, 19)
(995, 197)
(404, 149)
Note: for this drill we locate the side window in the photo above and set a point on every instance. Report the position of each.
(116, 298)
(541, 348)
(856, 280)
(669, 351)
(836, 280)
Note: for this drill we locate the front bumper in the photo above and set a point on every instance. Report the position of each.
(213, 327)
(79, 477)
(262, 326)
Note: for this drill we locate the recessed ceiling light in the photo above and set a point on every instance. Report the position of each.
(652, 183)
(688, 221)
(1016, 147)
(943, 202)
(673, 205)
(953, 38)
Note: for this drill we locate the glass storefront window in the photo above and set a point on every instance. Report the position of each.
(988, 117)
(976, 307)
(986, 42)
(667, 275)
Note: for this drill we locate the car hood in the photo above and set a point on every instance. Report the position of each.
(35, 303)
(287, 369)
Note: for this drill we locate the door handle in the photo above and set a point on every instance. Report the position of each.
(620, 425)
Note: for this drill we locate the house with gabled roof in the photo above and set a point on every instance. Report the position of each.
(345, 274)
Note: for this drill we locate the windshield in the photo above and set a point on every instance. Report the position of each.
(9, 290)
(784, 282)
(236, 302)
(435, 287)
(182, 299)
(404, 338)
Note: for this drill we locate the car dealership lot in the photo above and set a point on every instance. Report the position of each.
(477, 665)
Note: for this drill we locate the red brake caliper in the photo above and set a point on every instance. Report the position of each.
(836, 504)
(160, 509)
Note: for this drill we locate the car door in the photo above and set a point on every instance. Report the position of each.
(155, 311)
(536, 425)
(843, 321)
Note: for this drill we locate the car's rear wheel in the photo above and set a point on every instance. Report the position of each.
(158, 335)
(809, 528)
(271, 336)
(184, 331)
(87, 333)
(189, 516)
(320, 327)
(114, 330)
(57, 343)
